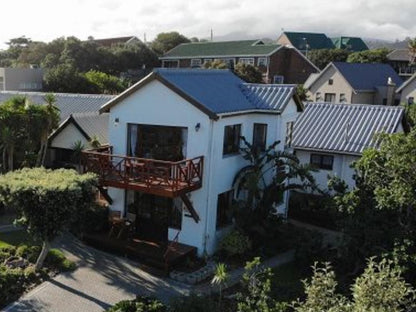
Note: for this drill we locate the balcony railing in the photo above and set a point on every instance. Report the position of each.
(158, 177)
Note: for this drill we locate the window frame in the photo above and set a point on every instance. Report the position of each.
(333, 97)
(281, 77)
(246, 60)
(235, 137)
(198, 60)
(289, 134)
(330, 81)
(261, 145)
(321, 163)
(410, 100)
(260, 60)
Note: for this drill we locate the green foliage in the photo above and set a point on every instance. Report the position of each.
(216, 64)
(235, 243)
(322, 57)
(167, 41)
(47, 201)
(57, 260)
(193, 303)
(11, 284)
(380, 288)
(410, 111)
(302, 93)
(93, 219)
(248, 73)
(369, 56)
(140, 304)
(104, 83)
(66, 78)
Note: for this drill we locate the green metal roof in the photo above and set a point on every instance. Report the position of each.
(314, 40)
(354, 44)
(222, 48)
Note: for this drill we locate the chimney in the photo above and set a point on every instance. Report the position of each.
(390, 92)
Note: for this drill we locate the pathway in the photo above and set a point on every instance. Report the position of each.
(101, 280)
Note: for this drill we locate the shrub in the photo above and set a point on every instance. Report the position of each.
(235, 243)
(92, 219)
(193, 303)
(11, 284)
(140, 304)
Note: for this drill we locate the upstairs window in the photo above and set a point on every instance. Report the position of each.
(231, 139)
(330, 97)
(318, 97)
(321, 161)
(259, 136)
(331, 82)
(342, 98)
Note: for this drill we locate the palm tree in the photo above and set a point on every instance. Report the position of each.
(220, 278)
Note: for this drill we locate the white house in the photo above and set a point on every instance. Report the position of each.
(331, 136)
(177, 132)
(408, 90)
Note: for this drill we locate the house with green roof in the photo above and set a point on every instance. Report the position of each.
(353, 44)
(278, 63)
(305, 41)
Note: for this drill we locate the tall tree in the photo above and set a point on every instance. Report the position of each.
(167, 41)
(322, 57)
(369, 56)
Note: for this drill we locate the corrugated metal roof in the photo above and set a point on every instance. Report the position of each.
(94, 124)
(220, 91)
(221, 48)
(343, 128)
(67, 103)
(366, 76)
(273, 97)
(399, 55)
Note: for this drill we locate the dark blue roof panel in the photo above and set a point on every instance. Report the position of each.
(367, 76)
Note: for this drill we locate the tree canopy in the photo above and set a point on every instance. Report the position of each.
(322, 57)
(47, 201)
(167, 41)
(369, 56)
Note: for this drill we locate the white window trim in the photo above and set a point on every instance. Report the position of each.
(199, 61)
(246, 60)
(262, 58)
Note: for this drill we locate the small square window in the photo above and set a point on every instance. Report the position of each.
(278, 79)
(331, 82)
(410, 100)
(262, 61)
(321, 161)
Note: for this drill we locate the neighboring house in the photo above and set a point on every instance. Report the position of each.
(331, 136)
(401, 61)
(175, 138)
(408, 90)
(355, 83)
(78, 128)
(305, 41)
(67, 103)
(109, 42)
(278, 63)
(353, 44)
(21, 79)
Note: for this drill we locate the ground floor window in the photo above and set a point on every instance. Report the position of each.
(321, 161)
(225, 209)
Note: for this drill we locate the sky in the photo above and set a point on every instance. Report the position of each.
(45, 20)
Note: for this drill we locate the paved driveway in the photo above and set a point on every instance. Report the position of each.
(99, 281)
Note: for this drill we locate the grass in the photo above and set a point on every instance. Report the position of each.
(287, 282)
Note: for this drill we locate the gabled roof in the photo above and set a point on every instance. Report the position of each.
(354, 44)
(366, 76)
(343, 128)
(216, 91)
(68, 103)
(402, 55)
(221, 49)
(314, 40)
(89, 124)
(406, 83)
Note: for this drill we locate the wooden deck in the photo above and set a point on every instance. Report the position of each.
(157, 177)
(150, 253)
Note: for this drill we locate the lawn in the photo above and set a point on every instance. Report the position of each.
(15, 238)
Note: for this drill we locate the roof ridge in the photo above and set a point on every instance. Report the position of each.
(356, 105)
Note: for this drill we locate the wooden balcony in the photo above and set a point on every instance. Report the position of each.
(158, 177)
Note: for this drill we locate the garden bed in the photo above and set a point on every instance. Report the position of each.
(18, 253)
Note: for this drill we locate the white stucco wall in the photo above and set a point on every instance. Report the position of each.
(68, 136)
(155, 104)
(341, 168)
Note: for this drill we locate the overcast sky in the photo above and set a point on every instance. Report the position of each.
(48, 19)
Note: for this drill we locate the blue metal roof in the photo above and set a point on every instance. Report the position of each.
(367, 76)
(220, 91)
(344, 128)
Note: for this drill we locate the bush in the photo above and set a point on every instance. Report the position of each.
(193, 303)
(140, 304)
(235, 243)
(11, 284)
(93, 219)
